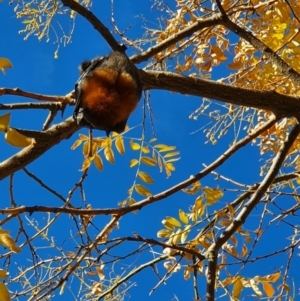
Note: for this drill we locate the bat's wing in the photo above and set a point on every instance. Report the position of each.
(78, 111)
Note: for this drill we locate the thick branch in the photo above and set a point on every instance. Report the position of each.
(48, 139)
(281, 105)
(98, 25)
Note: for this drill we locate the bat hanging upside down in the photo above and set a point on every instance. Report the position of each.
(107, 92)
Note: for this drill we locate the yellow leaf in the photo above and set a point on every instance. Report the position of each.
(109, 155)
(244, 251)
(164, 233)
(7, 241)
(133, 162)
(83, 137)
(212, 195)
(98, 162)
(86, 164)
(255, 288)
(100, 273)
(218, 54)
(4, 63)
(173, 221)
(3, 274)
(273, 277)
(76, 144)
(148, 161)
(145, 177)
(169, 166)
(4, 122)
(134, 146)
(119, 142)
(237, 288)
(145, 150)
(172, 154)
(85, 149)
(231, 210)
(168, 225)
(185, 234)
(174, 239)
(187, 272)
(236, 65)
(4, 294)
(231, 250)
(194, 189)
(16, 139)
(183, 216)
(248, 239)
(269, 290)
(142, 190)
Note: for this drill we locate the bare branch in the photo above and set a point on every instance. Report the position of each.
(281, 105)
(47, 140)
(18, 92)
(98, 25)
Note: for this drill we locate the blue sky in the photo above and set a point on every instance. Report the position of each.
(36, 70)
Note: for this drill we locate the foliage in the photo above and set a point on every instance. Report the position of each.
(235, 233)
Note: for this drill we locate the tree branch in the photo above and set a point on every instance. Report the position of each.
(281, 105)
(16, 91)
(98, 25)
(247, 209)
(47, 140)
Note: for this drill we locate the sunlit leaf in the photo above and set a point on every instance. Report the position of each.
(168, 225)
(145, 177)
(142, 190)
(3, 274)
(212, 195)
(133, 162)
(4, 293)
(109, 154)
(76, 144)
(5, 63)
(172, 154)
(173, 221)
(119, 142)
(86, 164)
(100, 273)
(16, 139)
(237, 288)
(98, 162)
(185, 233)
(255, 288)
(7, 241)
(4, 122)
(195, 187)
(164, 233)
(134, 145)
(83, 137)
(244, 251)
(145, 150)
(148, 161)
(183, 216)
(268, 289)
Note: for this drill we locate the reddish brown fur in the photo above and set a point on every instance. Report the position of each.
(110, 97)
